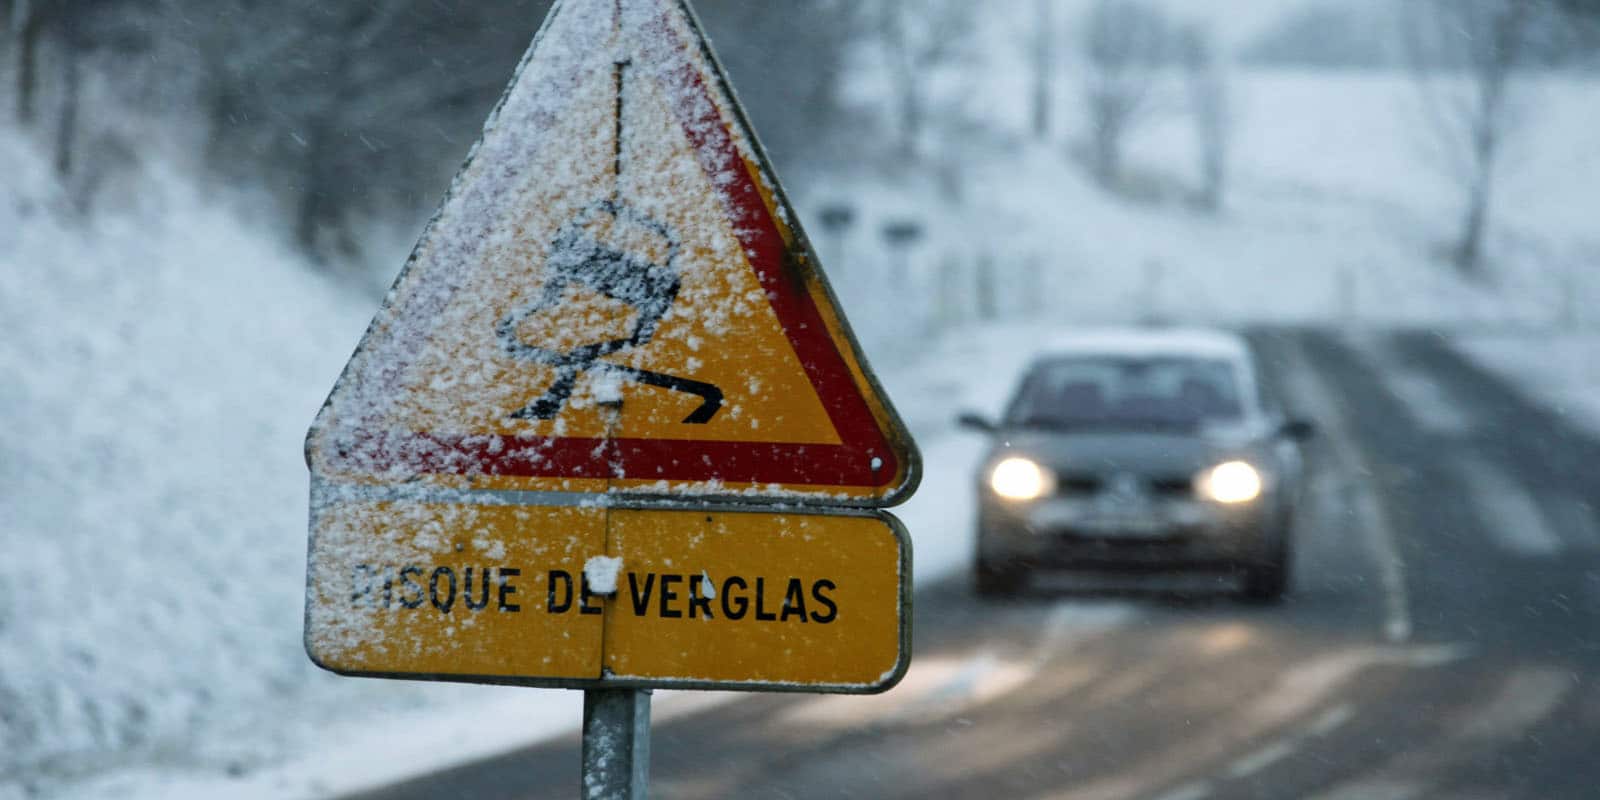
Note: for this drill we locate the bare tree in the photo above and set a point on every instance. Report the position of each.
(920, 35)
(1125, 42)
(73, 30)
(1466, 56)
(71, 93)
(1210, 107)
(1044, 67)
(28, 20)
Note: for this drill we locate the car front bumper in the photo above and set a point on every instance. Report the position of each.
(1182, 534)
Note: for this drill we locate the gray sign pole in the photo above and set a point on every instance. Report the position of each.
(616, 744)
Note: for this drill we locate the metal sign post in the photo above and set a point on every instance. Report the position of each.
(616, 744)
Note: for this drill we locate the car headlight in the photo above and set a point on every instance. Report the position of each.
(1232, 483)
(1020, 479)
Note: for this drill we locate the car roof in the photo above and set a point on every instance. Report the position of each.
(1146, 342)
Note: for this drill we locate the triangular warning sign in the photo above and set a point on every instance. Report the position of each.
(616, 297)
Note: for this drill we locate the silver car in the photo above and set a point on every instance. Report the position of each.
(1139, 451)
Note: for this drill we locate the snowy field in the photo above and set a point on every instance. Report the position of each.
(1339, 212)
(162, 363)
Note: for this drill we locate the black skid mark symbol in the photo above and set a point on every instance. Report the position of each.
(578, 258)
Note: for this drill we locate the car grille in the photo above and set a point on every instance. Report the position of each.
(1078, 485)
(1172, 486)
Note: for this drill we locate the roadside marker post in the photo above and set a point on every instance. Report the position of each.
(610, 430)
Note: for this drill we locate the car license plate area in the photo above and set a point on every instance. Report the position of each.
(1123, 521)
(1132, 526)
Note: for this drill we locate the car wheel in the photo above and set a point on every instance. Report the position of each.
(993, 580)
(1267, 581)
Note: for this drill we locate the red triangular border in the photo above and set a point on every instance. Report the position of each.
(865, 459)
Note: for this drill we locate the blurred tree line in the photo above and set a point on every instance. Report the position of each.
(1470, 59)
(1335, 34)
(356, 109)
(349, 111)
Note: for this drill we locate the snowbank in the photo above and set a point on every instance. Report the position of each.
(161, 366)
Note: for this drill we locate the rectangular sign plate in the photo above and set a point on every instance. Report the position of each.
(703, 599)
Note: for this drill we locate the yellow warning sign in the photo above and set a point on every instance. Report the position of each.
(616, 297)
(550, 596)
(571, 447)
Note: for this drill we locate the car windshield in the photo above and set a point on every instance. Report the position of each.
(1127, 392)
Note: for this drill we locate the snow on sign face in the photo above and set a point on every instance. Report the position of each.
(615, 298)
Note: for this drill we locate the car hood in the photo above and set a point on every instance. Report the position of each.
(1144, 452)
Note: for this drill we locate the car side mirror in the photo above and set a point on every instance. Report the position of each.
(1298, 430)
(975, 422)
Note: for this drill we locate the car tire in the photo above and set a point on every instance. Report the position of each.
(995, 581)
(1266, 582)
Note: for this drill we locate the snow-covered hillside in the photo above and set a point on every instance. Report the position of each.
(160, 365)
